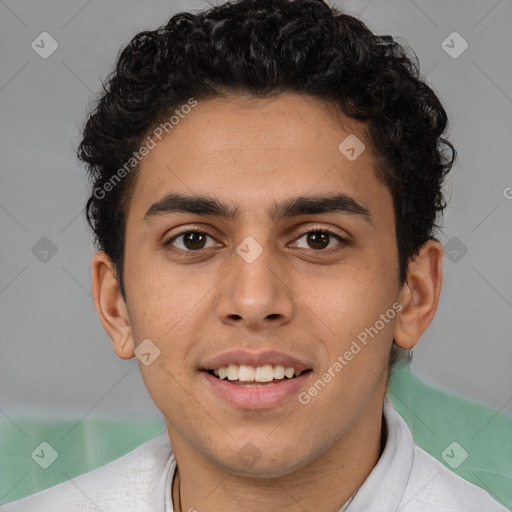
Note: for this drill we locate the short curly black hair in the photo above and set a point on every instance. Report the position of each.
(262, 48)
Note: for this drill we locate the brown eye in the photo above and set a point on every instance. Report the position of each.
(189, 241)
(194, 240)
(320, 239)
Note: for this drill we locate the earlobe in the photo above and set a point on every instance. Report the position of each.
(110, 305)
(419, 295)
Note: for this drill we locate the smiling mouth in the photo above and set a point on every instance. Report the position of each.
(250, 376)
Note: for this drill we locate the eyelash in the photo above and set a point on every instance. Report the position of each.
(188, 253)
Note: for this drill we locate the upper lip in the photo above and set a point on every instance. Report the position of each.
(255, 359)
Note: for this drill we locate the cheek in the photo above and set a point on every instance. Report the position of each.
(356, 304)
(163, 297)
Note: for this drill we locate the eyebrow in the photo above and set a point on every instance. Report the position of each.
(293, 207)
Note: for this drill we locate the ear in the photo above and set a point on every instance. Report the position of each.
(419, 295)
(110, 305)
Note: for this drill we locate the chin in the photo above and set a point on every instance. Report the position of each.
(252, 461)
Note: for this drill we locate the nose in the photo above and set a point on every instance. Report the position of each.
(256, 294)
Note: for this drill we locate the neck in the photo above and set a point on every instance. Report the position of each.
(325, 484)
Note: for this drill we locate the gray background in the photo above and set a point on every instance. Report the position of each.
(55, 357)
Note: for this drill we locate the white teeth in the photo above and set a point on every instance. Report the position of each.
(246, 373)
(279, 371)
(265, 373)
(232, 372)
(288, 372)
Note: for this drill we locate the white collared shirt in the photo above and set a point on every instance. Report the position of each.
(405, 479)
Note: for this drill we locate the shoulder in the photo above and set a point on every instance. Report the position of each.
(419, 482)
(434, 487)
(131, 483)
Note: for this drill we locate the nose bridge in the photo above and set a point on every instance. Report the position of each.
(254, 280)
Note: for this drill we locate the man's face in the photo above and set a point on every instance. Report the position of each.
(261, 288)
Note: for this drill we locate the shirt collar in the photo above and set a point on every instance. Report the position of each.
(385, 485)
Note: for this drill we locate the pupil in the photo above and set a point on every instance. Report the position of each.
(194, 240)
(318, 238)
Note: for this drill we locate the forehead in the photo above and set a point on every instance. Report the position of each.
(245, 151)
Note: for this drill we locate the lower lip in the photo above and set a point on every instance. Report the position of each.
(257, 397)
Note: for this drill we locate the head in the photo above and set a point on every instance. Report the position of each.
(229, 127)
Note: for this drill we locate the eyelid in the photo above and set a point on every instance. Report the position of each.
(192, 227)
(324, 229)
